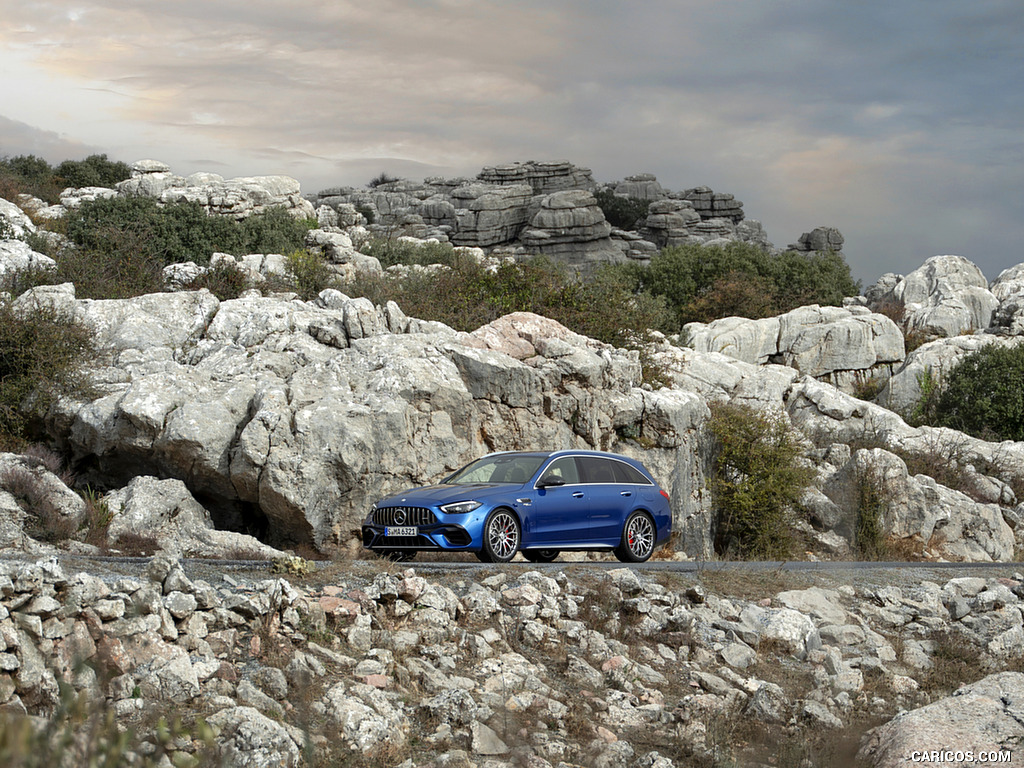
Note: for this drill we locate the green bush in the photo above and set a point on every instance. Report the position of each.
(180, 231)
(42, 351)
(309, 273)
(30, 175)
(84, 731)
(692, 278)
(390, 251)
(34, 176)
(468, 295)
(94, 171)
(621, 212)
(225, 280)
(982, 395)
(756, 482)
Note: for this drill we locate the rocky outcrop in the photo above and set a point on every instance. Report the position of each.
(571, 227)
(489, 214)
(946, 296)
(16, 256)
(14, 222)
(520, 667)
(237, 198)
(543, 177)
(164, 515)
(308, 412)
(819, 240)
(715, 205)
(842, 345)
(671, 222)
(984, 720)
(640, 186)
(933, 519)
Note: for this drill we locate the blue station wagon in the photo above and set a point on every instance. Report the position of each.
(539, 503)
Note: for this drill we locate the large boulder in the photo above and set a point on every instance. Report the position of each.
(164, 513)
(302, 414)
(839, 344)
(570, 226)
(490, 214)
(985, 717)
(945, 296)
(543, 177)
(14, 219)
(16, 256)
(935, 518)
(1008, 288)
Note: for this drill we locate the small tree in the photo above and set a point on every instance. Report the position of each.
(757, 479)
(982, 394)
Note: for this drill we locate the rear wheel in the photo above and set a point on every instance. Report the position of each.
(637, 539)
(501, 536)
(540, 555)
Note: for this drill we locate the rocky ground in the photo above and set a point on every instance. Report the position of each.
(367, 663)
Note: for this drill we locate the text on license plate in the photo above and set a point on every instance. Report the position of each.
(400, 530)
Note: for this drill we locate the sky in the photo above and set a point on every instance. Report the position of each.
(896, 121)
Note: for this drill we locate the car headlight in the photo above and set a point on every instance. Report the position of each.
(460, 507)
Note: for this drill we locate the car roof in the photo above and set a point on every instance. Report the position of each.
(563, 452)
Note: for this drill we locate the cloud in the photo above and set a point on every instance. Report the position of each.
(896, 122)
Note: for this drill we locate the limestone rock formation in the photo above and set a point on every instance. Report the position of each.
(839, 344)
(238, 198)
(715, 205)
(928, 365)
(570, 225)
(946, 296)
(671, 222)
(164, 512)
(820, 240)
(17, 257)
(489, 214)
(308, 412)
(543, 177)
(640, 186)
(13, 220)
(982, 718)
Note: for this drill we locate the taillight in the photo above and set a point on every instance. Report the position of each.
(666, 496)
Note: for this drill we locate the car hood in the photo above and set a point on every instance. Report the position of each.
(444, 494)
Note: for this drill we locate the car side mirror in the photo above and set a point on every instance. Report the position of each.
(549, 481)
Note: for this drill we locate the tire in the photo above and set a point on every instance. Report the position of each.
(482, 557)
(637, 539)
(541, 555)
(501, 536)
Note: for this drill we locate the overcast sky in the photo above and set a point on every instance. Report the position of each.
(899, 122)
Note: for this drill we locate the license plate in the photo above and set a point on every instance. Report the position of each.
(400, 530)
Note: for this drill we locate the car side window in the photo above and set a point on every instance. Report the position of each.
(564, 468)
(627, 474)
(597, 470)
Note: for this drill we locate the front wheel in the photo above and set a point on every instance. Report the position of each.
(637, 539)
(540, 555)
(501, 536)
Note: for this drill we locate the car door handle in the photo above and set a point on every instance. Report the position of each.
(578, 495)
(625, 493)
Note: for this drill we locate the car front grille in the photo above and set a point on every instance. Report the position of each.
(404, 516)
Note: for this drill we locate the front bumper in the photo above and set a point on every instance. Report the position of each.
(440, 536)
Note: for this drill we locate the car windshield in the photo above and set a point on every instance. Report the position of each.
(502, 468)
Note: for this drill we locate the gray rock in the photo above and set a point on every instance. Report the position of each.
(946, 296)
(485, 741)
(250, 739)
(980, 717)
